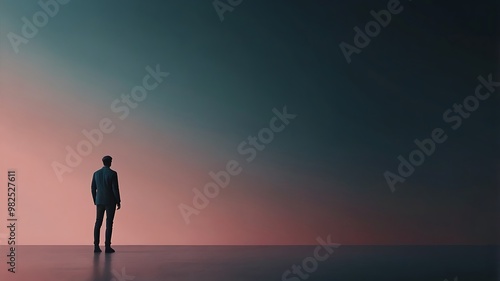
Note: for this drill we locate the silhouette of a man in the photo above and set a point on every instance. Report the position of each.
(106, 196)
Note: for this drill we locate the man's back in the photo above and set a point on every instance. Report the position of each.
(105, 187)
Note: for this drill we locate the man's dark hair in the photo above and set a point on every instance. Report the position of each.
(106, 160)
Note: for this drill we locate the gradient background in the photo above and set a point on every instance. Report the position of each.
(322, 175)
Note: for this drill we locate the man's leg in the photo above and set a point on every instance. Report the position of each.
(110, 216)
(98, 222)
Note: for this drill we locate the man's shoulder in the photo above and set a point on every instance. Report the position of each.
(105, 170)
(111, 171)
(101, 170)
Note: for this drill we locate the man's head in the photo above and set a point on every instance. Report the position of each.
(106, 160)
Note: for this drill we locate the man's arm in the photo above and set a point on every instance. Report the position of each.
(116, 190)
(93, 188)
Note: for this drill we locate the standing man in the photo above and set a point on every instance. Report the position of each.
(106, 196)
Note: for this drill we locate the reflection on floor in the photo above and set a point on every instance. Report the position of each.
(256, 263)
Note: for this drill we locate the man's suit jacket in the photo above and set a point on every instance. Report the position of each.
(105, 187)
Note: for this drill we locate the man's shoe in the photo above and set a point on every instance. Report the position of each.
(109, 250)
(97, 249)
